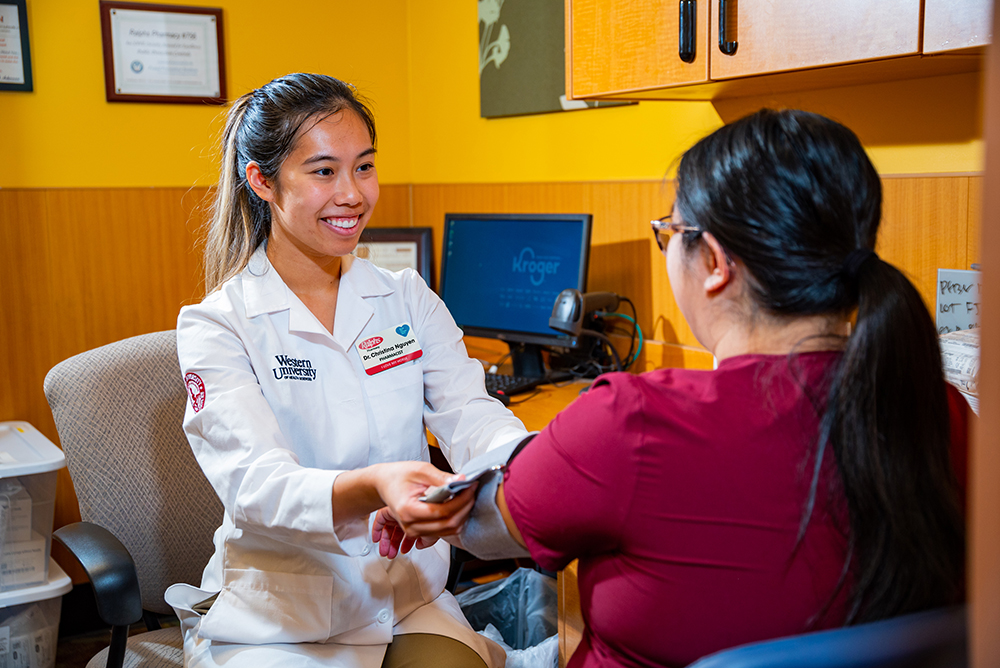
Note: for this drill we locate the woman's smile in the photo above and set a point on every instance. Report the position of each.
(343, 224)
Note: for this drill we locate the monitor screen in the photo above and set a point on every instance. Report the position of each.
(501, 273)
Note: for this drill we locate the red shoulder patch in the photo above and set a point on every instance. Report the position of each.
(196, 390)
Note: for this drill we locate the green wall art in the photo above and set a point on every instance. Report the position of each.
(522, 59)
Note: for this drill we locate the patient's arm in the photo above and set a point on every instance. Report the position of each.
(508, 520)
(490, 533)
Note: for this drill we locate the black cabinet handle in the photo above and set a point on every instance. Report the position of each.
(726, 47)
(688, 23)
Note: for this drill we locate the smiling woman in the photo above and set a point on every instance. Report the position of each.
(312, 376)
(264, 127)
(320, 202)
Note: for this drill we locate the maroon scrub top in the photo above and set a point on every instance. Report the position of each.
(682, 493)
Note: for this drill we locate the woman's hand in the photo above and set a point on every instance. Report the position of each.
(390, 536)
(406, 518)
(400, 486)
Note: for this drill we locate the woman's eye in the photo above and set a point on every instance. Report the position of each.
(325, 171)
(367, 167)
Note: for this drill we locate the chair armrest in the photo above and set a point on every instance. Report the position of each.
(110, 568)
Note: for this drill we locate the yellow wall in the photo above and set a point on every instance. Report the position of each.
(64, 134)
(452, 144)
(417, 61)
(928, 126)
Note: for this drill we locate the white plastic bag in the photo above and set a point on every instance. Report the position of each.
(520, 613)
(543, 655)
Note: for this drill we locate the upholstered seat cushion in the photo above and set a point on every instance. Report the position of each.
(156, 649)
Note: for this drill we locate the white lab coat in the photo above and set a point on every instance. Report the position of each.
(294, 588)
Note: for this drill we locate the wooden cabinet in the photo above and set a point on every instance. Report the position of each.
(628, 46)
(631, 50)
(783, 35)
(951, 25)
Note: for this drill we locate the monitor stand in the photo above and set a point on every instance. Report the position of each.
(527, 359)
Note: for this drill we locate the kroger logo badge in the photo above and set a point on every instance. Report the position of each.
(538, 267)
(370, 343)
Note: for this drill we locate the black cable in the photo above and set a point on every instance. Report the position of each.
(607, 341)
(635, 331)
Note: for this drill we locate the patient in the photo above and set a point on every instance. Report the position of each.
(814, 479)
(805, 483)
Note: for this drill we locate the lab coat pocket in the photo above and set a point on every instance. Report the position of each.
(430, 567)
(396, 398)
(260, 607)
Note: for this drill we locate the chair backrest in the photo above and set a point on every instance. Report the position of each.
(119, 411)
(930, 639)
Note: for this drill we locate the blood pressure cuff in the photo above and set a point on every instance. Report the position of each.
(485, 533)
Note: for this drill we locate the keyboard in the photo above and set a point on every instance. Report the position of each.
(502, 384)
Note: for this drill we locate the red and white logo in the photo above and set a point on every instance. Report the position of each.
(370, 343)
(196, 390)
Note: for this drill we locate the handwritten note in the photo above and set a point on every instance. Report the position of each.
(958, 299)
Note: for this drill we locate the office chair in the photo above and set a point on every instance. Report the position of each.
(119, 410)
(148, 511)
(930, 639)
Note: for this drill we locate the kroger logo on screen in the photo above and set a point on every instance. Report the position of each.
(537, 267)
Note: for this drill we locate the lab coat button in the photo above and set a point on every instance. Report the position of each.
(365, 552)
(384, 616)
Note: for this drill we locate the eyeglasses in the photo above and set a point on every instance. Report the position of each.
(664, 227)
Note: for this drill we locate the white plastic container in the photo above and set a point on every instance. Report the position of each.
(29, 622)
(28, 466)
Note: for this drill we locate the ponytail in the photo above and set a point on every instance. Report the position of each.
(262, 127)
(795, 199)
(887, 425)
(236, 229)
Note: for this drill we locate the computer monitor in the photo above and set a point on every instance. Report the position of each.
(501, 273)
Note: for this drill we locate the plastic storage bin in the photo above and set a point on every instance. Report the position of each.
(28, 466)
(29, 622)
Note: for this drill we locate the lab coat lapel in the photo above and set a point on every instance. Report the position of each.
(266, 292)
(358, 281)
(263, 289)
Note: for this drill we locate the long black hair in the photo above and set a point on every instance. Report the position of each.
(795, 198)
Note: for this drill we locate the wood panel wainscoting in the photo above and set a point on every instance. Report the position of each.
(90, 266)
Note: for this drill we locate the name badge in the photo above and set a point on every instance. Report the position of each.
(390, 348)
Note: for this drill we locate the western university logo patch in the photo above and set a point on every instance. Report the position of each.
(196, 391)
(290, 368)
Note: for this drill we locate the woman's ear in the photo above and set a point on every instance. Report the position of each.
(719, 274)
(259, 183)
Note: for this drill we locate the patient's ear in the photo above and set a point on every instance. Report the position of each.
(719, 269)
(259, 183)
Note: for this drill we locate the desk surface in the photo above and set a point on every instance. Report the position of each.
(537, 407)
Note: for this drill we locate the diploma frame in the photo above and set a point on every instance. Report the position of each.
(22, 19)
(111, 87)
(421, 236)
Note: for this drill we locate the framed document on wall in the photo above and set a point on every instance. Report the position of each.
(397, 248)
(15, 54)
(162, 53)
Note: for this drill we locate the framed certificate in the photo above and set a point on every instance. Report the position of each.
(163, 53)
(396, 248)
(15, 55)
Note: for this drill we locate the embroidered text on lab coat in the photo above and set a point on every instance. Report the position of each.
(290, 368)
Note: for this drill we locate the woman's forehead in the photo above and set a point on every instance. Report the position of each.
(342, 131)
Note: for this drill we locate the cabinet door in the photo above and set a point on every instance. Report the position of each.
(781, 35)
(616, 46)
(956, 24)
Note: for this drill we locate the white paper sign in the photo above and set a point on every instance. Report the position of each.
(160, 53)
(391, 255)
(958, 299)
(11, 59)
